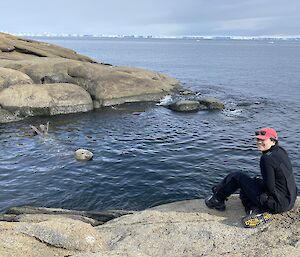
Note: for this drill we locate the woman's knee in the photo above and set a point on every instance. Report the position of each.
(238, 176)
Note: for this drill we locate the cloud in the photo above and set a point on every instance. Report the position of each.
(249, 24)
(158, 17)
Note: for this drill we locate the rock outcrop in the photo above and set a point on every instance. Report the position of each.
(186, 228)
(49, 99)
(15, 48)
(24, 62)
(194, 104)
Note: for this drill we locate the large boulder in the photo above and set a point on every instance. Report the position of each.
(107, 85)
(47, 99)
(10, 77)
(122, 84)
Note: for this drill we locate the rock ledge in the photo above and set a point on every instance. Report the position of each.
(185, 228)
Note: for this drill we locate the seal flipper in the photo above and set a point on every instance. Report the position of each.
(36, 130)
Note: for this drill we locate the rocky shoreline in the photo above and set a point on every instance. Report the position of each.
(38, 78)
(41, 79)
(185, 228)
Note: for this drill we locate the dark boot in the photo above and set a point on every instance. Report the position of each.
(213, 203)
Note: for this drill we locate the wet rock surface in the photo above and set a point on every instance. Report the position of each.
(185, 106)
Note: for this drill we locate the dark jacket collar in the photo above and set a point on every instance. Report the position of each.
(272, 148)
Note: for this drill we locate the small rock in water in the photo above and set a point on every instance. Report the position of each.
(185, 106)
(212, 103)
(83, 155)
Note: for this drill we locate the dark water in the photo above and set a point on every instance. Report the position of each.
(148, 155)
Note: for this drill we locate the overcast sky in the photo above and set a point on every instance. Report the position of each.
(153, 17)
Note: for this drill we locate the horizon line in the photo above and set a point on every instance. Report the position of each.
(48, 34)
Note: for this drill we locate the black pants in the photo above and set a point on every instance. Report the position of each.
(250, 189)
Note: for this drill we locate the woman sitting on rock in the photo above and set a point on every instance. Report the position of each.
(275, 192)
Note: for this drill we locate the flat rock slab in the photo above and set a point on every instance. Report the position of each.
(185, 228)
(189, 228)
(65, 233)
(14, 244)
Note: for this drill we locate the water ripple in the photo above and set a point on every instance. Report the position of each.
(157, 156)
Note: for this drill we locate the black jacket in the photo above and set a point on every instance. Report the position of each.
(278, 177)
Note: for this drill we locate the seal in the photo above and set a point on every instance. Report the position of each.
(42, 131)
(83, 155)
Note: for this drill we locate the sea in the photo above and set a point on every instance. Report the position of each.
(145, 154)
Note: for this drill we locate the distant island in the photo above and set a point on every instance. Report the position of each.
(199, 37)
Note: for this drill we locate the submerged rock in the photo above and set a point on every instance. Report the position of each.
(185, 106)
(212, 103)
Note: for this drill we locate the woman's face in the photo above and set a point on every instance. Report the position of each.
(264, 145)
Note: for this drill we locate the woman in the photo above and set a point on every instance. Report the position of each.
(275, 192)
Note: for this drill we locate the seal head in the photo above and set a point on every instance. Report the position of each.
(83, 155)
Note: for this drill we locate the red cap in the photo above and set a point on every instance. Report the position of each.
(265, 133)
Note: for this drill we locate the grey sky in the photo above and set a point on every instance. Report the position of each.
(153, 17)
